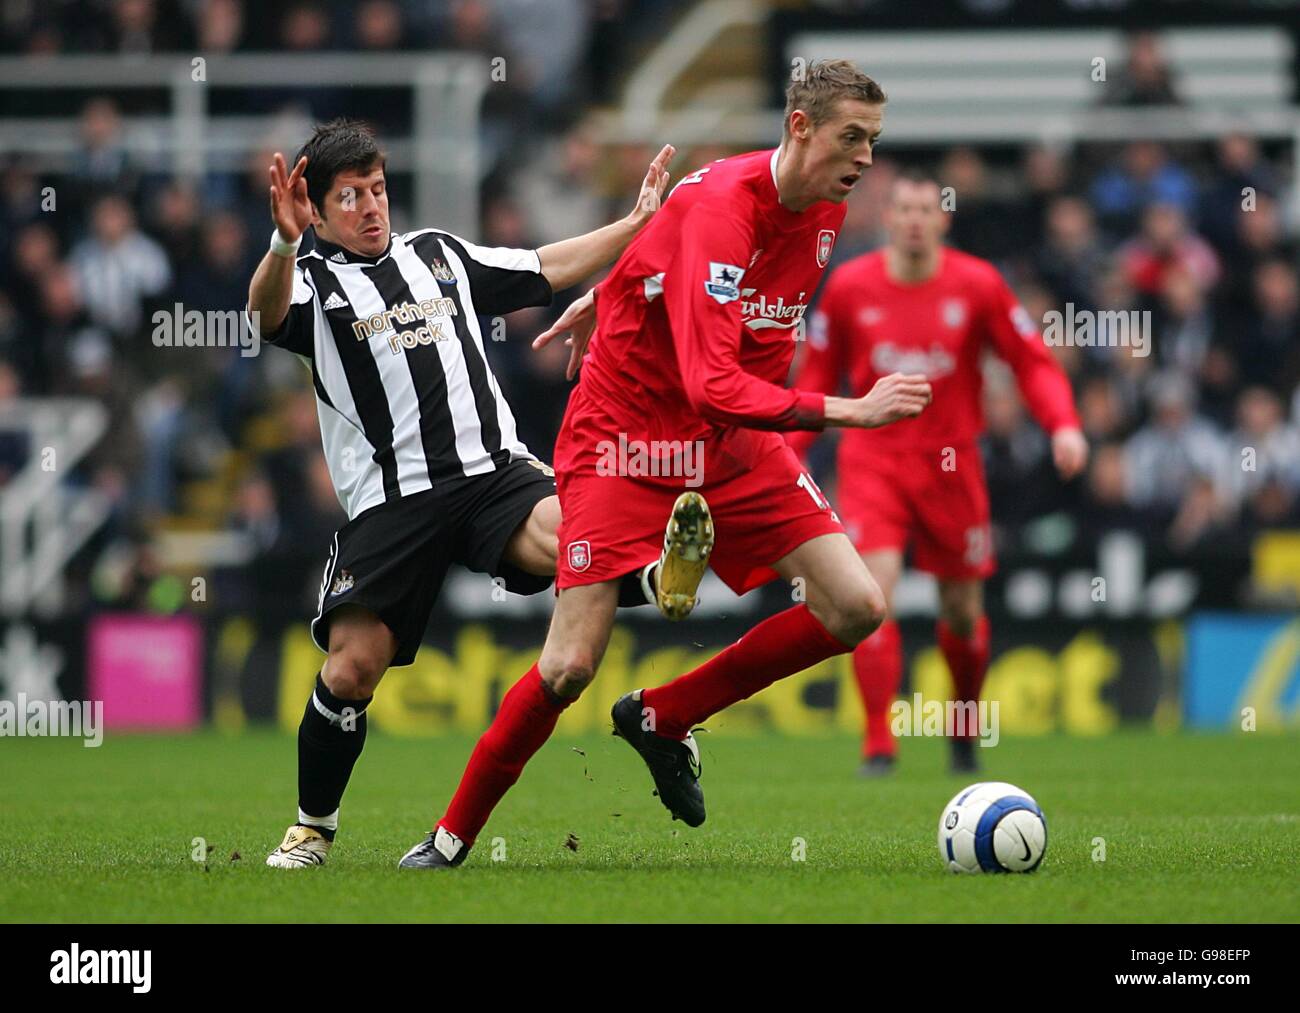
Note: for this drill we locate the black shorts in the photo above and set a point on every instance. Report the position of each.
(393, 558)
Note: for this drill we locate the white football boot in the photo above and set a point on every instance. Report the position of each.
(302, 847)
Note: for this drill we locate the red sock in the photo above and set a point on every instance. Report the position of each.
(526, 719)
(968, 660)
(878, 665)
(787, 643)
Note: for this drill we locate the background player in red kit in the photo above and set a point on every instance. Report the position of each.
(694, 341)
(921, 307)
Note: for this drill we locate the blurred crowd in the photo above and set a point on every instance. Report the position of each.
(96, 243)
(555, 47)
(1196, 446)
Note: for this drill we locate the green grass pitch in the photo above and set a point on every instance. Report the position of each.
(1196, 828)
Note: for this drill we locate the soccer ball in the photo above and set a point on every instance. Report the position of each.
(992, 827)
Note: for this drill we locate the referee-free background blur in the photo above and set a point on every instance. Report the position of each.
(165, 511)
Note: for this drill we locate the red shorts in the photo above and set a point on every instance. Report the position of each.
(764, 506)
(937, 502)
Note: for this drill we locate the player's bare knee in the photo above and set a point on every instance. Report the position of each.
(962, 621)
(960, 608)
(857, 614)
(352, 675)
(570, 681)
(568, 676)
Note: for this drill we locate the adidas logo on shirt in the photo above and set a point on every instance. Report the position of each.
(335, 302)
(338, 258)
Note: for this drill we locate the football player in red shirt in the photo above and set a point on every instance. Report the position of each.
(693, 343)
(918, 306)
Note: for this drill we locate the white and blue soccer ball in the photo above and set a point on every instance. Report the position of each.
(992, 826)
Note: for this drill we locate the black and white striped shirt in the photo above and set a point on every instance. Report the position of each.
(404, 392)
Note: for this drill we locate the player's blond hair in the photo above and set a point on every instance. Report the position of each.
(816, 88)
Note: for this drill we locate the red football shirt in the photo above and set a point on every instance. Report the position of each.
(867, 326)
(696, 324)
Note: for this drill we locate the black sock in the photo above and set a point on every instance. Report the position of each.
(631, 593)
(330, 739)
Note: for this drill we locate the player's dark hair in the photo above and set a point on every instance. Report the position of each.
(816, 88)
(341, 145)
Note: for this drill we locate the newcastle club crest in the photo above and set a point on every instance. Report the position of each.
(342, 583)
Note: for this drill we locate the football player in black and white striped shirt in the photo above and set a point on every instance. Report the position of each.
(420, 442)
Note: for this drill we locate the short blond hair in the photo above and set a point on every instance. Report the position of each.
(823, 83)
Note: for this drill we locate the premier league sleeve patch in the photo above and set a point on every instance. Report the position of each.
(724, 282)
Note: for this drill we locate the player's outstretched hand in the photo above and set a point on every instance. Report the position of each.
(290, 205)
(652, 188)
(1069, 452)
(894, 397)
(578, 321)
